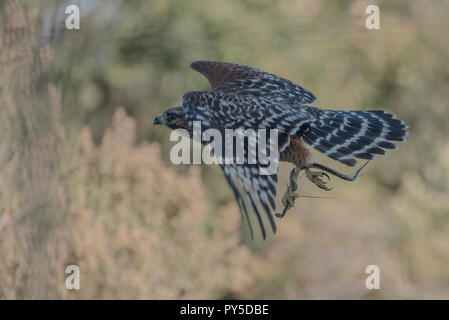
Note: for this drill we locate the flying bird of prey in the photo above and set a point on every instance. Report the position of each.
(243, 97)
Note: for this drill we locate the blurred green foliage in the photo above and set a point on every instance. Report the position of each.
(136, 55)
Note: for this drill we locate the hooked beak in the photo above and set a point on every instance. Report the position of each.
(157, 121)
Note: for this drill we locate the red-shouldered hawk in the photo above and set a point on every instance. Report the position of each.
(243, 97)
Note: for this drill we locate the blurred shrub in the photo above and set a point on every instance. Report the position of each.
(140, 230)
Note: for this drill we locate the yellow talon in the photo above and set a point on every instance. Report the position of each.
(289, 197)
(317, 179)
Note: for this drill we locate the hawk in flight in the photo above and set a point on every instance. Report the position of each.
(243, 97)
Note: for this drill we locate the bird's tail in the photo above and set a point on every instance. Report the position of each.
(346, 135)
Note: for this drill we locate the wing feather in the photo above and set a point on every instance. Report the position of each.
(221, 111)
(231, 78)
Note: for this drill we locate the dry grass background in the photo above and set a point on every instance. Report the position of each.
(84, 181)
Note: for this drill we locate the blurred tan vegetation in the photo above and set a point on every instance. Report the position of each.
(85, 178)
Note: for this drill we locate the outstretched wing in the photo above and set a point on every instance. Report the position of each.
(238, 79)
(264, 187)
(221, 112)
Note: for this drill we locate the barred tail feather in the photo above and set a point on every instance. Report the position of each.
(346, 135)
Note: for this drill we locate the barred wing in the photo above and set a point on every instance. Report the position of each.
(264, 187)
(221, 112)
(238, 79)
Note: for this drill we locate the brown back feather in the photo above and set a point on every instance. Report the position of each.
(222, 73)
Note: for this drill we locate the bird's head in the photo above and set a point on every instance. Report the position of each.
(173, 118)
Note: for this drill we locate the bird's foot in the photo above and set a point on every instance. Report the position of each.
(289, 197)
(338, 174)
(318, 178)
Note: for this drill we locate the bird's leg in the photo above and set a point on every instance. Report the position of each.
(289, 197)
(317, 178)
(336, 173)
